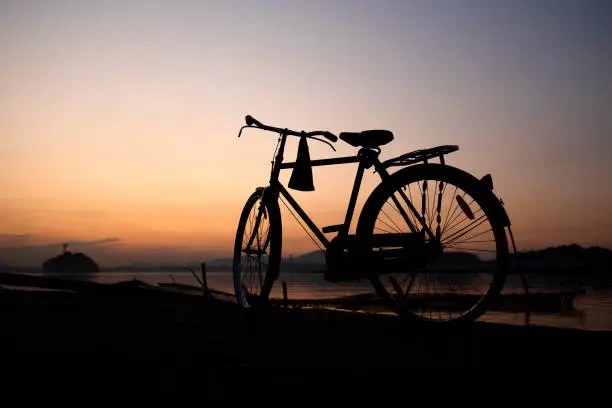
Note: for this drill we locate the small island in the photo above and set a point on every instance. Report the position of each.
(70, 263)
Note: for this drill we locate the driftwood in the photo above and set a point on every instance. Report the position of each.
(133, 288)
(539, 301)
(184, 286)
(47, 282)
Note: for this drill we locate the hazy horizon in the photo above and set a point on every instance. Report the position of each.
(118, 120)
(32, 257)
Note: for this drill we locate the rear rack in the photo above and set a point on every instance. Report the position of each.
(422, 155)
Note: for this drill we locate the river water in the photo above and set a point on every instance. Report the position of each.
(590, 311)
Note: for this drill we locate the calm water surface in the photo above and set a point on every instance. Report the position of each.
(591, 311)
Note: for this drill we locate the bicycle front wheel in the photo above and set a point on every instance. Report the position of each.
(468, 235)
(257, 250)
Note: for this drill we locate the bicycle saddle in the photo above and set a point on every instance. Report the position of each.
(367, 138)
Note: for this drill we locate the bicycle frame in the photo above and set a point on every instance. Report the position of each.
(369, 254)
(366, 157)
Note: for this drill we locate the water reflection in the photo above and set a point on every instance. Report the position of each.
(81, 277)
(591, 310)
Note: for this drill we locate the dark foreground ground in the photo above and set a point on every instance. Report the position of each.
(110, 343)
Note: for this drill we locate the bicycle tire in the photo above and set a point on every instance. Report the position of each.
(252, 287)
(407, 303)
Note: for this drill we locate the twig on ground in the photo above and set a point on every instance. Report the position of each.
(174, 281)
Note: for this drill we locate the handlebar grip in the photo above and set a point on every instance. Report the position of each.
(250, 121)
(330, 136)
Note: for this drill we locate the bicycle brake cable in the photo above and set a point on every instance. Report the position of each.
(275, 151)
(300, 224)
(324, 141)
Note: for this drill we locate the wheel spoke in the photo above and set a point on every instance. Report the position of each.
(447, 206)
(463, 231)
(255, 241)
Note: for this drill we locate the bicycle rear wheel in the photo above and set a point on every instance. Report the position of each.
(257, 250)
(469, 266)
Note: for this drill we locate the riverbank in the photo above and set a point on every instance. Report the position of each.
(182, 342)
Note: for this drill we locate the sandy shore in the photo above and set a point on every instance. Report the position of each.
(125, 341)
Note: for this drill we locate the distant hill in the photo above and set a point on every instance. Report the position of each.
(69, 262)
(557, 259)
(290, 264)
(567, 258)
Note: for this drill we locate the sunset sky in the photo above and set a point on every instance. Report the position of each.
(119, 119)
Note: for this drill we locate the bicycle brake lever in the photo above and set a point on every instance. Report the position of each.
(240, 133)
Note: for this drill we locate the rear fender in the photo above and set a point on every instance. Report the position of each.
(487, 182)
(396, 179)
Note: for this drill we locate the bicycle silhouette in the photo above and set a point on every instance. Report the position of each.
(430, 237)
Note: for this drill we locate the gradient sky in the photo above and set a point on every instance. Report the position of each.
(118, 119)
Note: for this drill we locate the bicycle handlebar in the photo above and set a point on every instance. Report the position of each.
(250, 121)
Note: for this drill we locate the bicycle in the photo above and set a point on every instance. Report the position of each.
(400, 249)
